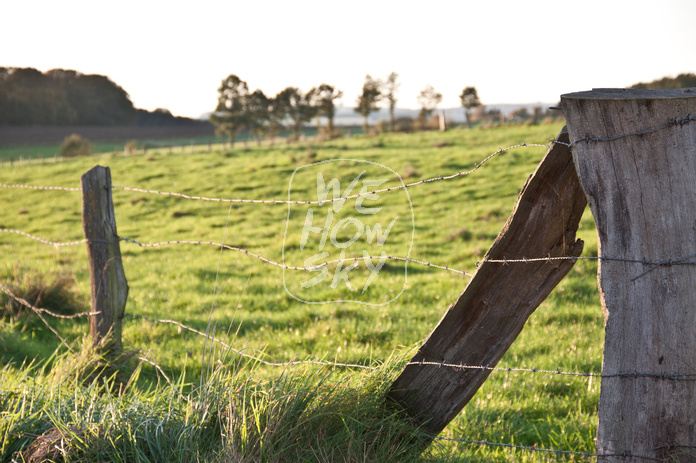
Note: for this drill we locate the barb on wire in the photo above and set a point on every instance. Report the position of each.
(355, 260)
(630, 374)
(438, 178)
(667, 263)
(244, 354)
(625, 454)
(38, 187)
(55, 244)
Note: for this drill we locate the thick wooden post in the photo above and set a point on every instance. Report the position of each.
(482, 324)
(107, 278)
(635, 153)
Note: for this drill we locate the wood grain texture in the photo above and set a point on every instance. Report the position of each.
(107, 278)
(482, 324)
(642, 192)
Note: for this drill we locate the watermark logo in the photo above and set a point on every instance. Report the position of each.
(348, 232)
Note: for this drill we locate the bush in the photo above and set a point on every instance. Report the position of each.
(74, 145)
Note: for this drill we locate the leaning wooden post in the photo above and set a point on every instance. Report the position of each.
(482, 324)
(635, 154)
(107, 278)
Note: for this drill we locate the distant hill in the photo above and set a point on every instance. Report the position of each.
(681, 81)
(161, 117)
(61, 97)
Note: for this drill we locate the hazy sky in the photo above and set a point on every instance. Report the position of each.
(174, 54)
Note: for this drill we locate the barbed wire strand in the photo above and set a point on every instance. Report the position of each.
(288, 267)
(631, 374)
(280, 201)
(460, 366)
(634, 374)
(342, 198)
(159, 371)
(38, 187)
(654, 264)
(244, 354)
(55, 244)
(679, 261)
(670, 123)
(38, 310)
(675, 122)
(625, 454)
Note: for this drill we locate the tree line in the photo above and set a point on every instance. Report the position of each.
(61, 97)
(241, 110)
(375, 91)
(686, 80)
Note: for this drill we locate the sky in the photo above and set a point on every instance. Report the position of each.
(175, 54)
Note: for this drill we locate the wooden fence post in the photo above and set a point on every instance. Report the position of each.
(482, 324)
(635, 154)
(107, 279)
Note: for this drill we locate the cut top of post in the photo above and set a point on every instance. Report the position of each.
(632, 94)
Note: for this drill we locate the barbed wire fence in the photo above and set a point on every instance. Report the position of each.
(649, 265)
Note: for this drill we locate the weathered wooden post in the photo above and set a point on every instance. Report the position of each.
(481, 325)
(107, 278)
(635, 154)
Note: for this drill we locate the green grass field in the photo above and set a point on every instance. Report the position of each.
(48, 151)
(36, 152)
(245, 300)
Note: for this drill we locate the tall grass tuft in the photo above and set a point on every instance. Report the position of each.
(307, 413)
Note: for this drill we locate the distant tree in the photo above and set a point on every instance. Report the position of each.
(297, 106)
(231, 113)
(520, 114)
(390, 88)
(470, 100)
(31, 98)
(428, 100)
(276, 116)
(258, 114)
(369, 99)
(164, 117)
(537, 113)
(97, 100)
(322, 99)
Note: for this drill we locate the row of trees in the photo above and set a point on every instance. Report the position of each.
(375, 91)
(61, 97)
(239, 109)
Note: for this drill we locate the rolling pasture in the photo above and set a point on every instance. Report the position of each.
(253, 306)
